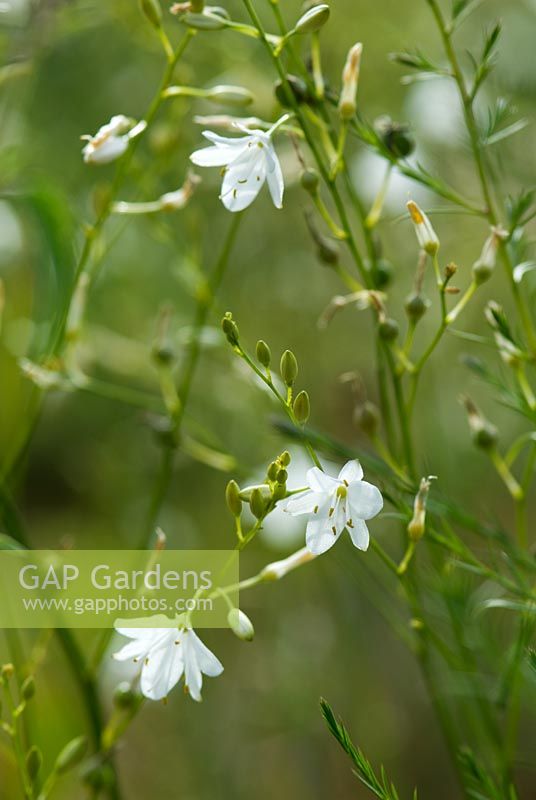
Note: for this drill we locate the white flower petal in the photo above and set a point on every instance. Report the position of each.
(207, 661)
(227, 141)
(108, 150)
(320, 482)
(352, 471)
(274, 177)
(319, 536)
(359, 534)
(243, 180)
(305, 503)
(365, 500)
(162, 669)
(213, 156)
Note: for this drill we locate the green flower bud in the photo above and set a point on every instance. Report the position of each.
(388, 329)
(328, 251)
(284, 458)
(240, 624)
(382, 273)
(124, 696)
(289, 367)
(27, 689)
(310, 180)
(7, 671)
(230, 329)
(481, 272)
(302, 407)
(282, 477)
(232, 498)
(214, 18)
(71, 755)
(257, 503)
(153, 12)
(367, 418)
(415, 306)
(230, 95)
(313, 20)
(163, 353)
(486, 436)
(296, 86)
(34, 762)
(264, 356)
(273, 469)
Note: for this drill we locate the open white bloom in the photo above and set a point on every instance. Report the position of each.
(111, 140)
(334, 504)
(248, 162)
(165, 655)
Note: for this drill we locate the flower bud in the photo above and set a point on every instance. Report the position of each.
(310, 180)
(272, 471)
(282, 477)
(313, 20)
(34, 762)
(484, 266)
(7, 671)
(230, 95)
(230, 329)
(367, 418)
(415, 306)
(232, 498)
(417, 524)
(240, 624)
(264, 355)
(124, 696)
(153, 12)
(284, 458)
(327, 250)
(302, 407)
(288, 367)
(257, 503)
(213, 18)
(27, 689)
(426, 236)
(71, 755)
(388, 329)
(278, 569)
(350, 80)
(296, 86)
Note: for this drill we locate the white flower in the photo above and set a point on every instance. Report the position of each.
(249, 161)
(426, 235)
(334, 504)
(111, 140)
(165, 655)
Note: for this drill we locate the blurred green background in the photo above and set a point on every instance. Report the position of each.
(87, 474)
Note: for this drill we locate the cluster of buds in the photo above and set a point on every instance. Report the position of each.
(262, 497)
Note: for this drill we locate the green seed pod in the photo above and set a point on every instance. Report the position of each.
(71, 755)
(98, 776)
(328, 251)
(230, 95)
(240, 624)
(284, 458)
(395, 136)
(415, 307)
(214, 18)
(382, 273)
(367, 418)
(27, 689)
(264, 355)
(481, 272)
(485, 436)
(153, 12)
(302, 407)
(388, 330)
(232, 498)
(296, 86)
(289, 367)
(310, 180)
(124, 696)
(230, 329)
(313, 20)
(257, 504)
(34, 762)
(163, 353)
